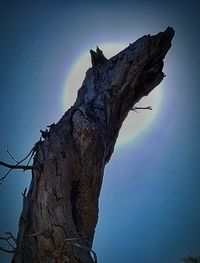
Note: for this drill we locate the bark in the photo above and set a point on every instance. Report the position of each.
(60, 211)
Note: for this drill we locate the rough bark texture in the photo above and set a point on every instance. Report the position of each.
(62, 202)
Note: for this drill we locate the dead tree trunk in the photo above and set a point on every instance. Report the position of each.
(60, 211)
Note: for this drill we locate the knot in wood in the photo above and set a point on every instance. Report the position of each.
(82, 131)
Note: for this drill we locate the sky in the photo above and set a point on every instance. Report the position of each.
(150, 199)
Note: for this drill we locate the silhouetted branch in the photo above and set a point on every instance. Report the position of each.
(70, 241)
(141, 108)
(24, 193)
(8, 238)
(9, 153)
(18, 165)
(11, 236)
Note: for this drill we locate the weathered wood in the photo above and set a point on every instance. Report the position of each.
(62, 202)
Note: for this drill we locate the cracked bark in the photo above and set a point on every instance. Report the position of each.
(62, 201)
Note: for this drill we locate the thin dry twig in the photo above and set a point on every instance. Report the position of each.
(8, 238)
(141, 108)
(17, 166)
(11, 236)
(71, 241)
(24, 193)
(9, 153)
(18, 163)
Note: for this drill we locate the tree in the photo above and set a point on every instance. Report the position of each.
(60, 210)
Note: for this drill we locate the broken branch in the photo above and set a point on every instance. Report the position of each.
(16, 166)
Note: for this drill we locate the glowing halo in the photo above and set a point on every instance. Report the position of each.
(136, 123)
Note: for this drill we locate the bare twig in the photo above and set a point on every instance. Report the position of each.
(70, 241)
(32, 151)
(11, 156)
(8, 238)
(24, 193)
(11, 236)
(17, 166)
(29, 160)
(18, 163)
(141, 108)
(4, 177)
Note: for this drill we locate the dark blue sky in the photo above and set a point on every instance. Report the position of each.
(150, 201)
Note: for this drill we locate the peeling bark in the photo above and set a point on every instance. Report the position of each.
(62, 202)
